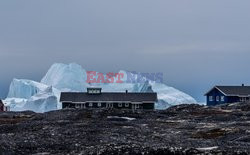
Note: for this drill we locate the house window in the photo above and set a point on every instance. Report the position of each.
(126, 104)
(120, 105)
(222, 98)
(90, 104)
(99, 104)
(94, 90)
(78, 106)
(109, 105)
(243, 99)
(217, 98)
(211, 98)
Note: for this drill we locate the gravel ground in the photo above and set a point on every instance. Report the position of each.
(184, 129)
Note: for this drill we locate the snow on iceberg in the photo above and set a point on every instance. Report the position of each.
(44, 96)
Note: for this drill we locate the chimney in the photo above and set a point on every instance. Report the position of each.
(126, 91)
(243, 85)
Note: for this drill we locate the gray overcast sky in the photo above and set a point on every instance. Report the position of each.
(195, 43)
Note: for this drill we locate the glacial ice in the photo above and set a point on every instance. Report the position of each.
(22, 88)
(66, 77)
(44, 96)
(43, 100)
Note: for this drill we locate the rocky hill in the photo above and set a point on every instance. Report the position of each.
(183, 129)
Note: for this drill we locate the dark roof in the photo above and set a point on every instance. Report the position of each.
(1, 102)
(81, 97)
(233, 90)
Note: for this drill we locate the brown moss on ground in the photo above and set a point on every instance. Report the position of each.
(210, 134)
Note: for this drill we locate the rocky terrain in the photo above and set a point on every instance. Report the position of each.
(183, 129)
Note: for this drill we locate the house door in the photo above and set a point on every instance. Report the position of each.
(109, 105)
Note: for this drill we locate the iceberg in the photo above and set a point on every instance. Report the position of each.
(44, 96)
(66, 77)
(22, 88)
(31, 95)
(43, 101)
